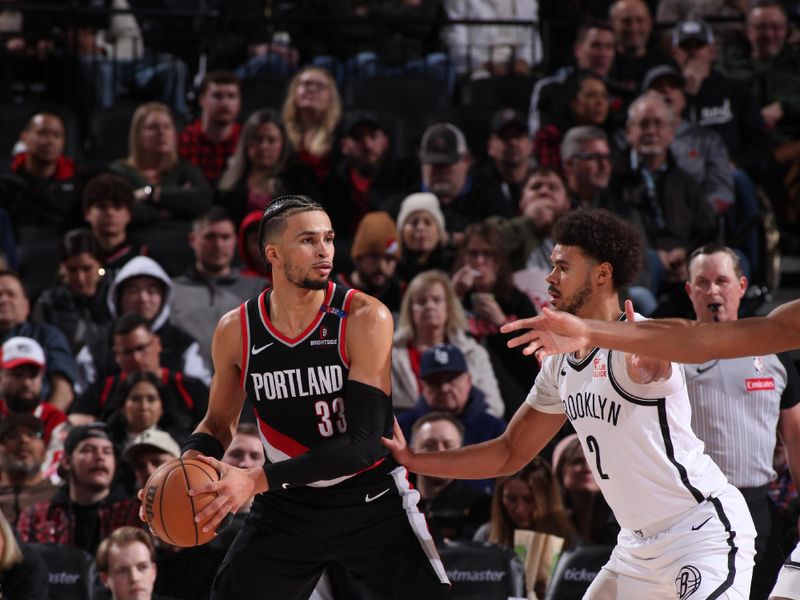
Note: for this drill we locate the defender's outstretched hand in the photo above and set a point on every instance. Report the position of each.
(644, 369)
(552, 332)
(398, 446)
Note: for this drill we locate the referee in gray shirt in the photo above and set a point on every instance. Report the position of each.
(739, 403)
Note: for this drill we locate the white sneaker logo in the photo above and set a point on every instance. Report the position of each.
(285, 486)
(369, 498)
(259, 350)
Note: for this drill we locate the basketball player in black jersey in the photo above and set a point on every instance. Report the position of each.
(314, 359)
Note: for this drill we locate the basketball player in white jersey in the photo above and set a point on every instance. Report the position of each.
(686, 533)
(693, 342)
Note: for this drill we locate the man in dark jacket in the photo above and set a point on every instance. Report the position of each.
(651, 190)
(40, 189)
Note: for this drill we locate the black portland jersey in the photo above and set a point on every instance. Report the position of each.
(296, 385)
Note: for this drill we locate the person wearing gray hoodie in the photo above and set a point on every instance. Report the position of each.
(143, 287)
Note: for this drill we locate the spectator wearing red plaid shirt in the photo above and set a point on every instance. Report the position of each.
(87, 508)
(210, 141)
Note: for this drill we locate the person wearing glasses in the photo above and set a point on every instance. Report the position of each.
(586, 163)
(136, 348)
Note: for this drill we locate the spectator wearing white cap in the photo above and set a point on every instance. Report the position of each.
(22, 369)
(422, 236)
(446, 165)
(15, 309)
(375, 252)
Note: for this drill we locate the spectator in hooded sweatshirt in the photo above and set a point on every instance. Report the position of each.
(142, 287)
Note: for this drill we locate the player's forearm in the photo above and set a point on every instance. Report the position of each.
(476, 461)
(691, 342)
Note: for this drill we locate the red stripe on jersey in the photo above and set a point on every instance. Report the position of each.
(343, 328)
(313, 325)
(282, 442)
(245, 343)
(106, 390)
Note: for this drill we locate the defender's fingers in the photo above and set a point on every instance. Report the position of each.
(206, 488)
(630, 314)
(526, 323)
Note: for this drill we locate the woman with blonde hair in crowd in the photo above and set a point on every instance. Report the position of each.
(311, 113)
(262, 167)
(169, 192)
(529, 499)
(431, 314)
(23, 573)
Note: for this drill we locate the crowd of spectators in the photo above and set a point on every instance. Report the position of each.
(682, 117)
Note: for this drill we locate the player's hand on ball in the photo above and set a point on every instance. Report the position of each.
(234, 488)
(398, 446)
(644, 369)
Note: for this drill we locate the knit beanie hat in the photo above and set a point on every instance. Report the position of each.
(376, 234)
(420, 201)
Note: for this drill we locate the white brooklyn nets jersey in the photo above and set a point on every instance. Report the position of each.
(637, 438)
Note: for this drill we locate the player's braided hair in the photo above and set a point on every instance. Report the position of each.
(605, 237)
(274, 220)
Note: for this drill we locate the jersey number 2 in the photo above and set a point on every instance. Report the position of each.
(594, 448)
(328, 415)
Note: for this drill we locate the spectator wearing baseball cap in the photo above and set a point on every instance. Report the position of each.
(367, 175)
(447, 387)
(22, 368)
(87, 507)
(60, 370)
(446, 172)
(375, 252)
(717, 102)
(148, 451)
(22, 482)
(508, 149)
(422, 236)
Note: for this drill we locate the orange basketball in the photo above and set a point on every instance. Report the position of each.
(169, 509)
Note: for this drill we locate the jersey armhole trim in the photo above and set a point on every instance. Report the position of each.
(343, 327)
(244, 322)
(624, 394)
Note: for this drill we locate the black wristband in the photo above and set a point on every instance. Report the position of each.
(205, 444)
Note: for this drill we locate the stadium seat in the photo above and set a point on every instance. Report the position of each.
(38, 265)
(108, 132)
(481, 571)
(408, 98)
(575, 571)
(499, 92)
(72, 571)
(261, 93)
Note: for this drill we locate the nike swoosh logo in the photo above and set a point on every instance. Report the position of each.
(711, 366)
(701, 524)
(284, 485)
(369, 498)
(259, 350)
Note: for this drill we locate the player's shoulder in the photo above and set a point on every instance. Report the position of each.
(230, 323)
(364, 307)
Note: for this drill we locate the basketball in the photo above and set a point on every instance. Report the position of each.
(169, 509)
